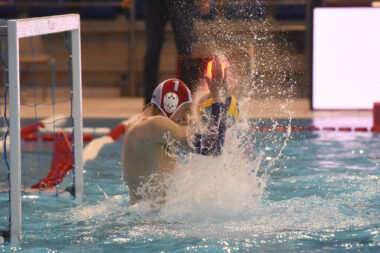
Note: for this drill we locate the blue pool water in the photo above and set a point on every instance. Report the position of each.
(310, 191)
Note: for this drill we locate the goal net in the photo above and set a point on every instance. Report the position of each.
(40, 114)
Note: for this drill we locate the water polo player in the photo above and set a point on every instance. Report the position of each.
(148, 154)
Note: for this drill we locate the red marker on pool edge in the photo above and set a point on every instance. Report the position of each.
(376, 118)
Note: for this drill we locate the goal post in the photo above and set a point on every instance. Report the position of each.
(22, 28)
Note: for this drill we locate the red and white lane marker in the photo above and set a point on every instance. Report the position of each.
(92, 149)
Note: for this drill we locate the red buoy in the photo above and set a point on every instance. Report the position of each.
(298, 128)
(30, 129)
(345, 129)
(280, 129)
(265, 128)
(47, 137)
(361, 129)
(117, 132)
(87, 137)
(30, 137)
(312, 128)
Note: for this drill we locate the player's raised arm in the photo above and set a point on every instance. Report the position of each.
(211, 141)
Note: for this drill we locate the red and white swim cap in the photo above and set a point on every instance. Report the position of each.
(170, 95)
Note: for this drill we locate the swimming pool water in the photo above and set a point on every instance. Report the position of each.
(322, 194)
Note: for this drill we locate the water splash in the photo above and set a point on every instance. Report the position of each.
(230, 187)
(214, 189)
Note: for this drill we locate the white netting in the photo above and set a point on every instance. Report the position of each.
(46, 98)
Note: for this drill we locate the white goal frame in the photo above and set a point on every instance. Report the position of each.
(29, 27)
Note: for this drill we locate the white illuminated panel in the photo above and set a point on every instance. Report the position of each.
(346, 58)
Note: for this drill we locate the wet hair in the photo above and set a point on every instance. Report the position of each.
(155, 109)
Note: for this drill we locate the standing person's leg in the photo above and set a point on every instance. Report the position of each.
(155, 21)
(181, 15)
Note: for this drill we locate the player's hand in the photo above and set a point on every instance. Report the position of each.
(217, 84)
(127, 4)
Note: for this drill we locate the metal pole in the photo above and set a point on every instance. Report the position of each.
(15, 143)
(4, 56)
(77, 109)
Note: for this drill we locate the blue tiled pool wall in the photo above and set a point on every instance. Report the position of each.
(234, 10)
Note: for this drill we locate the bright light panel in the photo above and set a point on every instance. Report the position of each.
(346, 58)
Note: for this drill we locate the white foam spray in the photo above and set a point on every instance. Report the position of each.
(228, 187)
